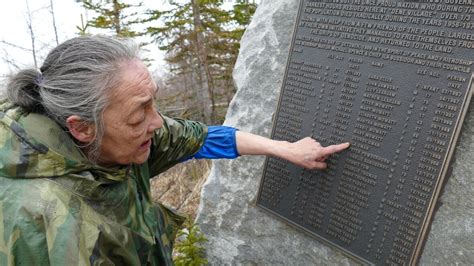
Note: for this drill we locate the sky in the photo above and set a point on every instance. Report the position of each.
(15, 41)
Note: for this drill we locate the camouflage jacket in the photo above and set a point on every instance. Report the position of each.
(56, 208)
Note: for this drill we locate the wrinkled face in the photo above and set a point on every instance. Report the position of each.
(130, 118)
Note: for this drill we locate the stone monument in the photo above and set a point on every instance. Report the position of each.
(240, 233)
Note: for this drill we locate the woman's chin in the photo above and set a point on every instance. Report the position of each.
(142, 157)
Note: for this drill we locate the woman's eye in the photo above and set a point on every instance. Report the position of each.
(137, 121)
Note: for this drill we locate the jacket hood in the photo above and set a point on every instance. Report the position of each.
(34, 146)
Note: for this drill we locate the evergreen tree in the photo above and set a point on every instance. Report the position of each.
(202, 43)
(114, 16)
(201, 39)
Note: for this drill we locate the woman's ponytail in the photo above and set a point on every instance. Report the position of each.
(23, 89)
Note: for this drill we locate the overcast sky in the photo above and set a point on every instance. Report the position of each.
(15, 41)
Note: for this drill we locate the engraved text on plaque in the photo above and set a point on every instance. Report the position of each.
(394, 79)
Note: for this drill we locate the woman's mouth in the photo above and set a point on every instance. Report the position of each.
(146, 144)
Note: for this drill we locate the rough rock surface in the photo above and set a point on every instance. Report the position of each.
(451, 238)
(239, 233)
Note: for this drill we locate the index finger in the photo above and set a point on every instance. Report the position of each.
(331, 149)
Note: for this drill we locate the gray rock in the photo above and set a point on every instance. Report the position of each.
(451, 239)
(241, 234)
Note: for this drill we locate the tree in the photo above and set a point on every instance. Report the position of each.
(114, 16)
(8, 59)
(206, 94)
(53, 16)
(39, 46)
(29, 23)
(202, 43)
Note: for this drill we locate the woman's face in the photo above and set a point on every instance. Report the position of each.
(130, 118)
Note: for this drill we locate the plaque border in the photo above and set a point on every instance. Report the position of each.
(441, 179)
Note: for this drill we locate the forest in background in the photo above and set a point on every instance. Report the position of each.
(200, 40)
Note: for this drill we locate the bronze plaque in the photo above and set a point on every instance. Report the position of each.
(394, 78)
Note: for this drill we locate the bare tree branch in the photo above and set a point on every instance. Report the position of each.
(15, 46)
(207, 83)
(12, 63)
(9, 61)
(29, 23)
(51, 9)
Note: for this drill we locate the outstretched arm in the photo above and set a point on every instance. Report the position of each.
(306, 152)
(227, 142)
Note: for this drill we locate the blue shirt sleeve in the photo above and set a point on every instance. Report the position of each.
(220, 143)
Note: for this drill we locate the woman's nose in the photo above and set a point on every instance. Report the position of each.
(156, 121)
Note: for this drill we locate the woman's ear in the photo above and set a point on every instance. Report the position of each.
(81, 130)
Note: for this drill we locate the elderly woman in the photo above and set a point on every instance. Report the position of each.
(80, 140)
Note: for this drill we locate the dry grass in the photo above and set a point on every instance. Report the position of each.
(180, 187)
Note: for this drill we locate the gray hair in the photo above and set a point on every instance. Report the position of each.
(74, 80)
